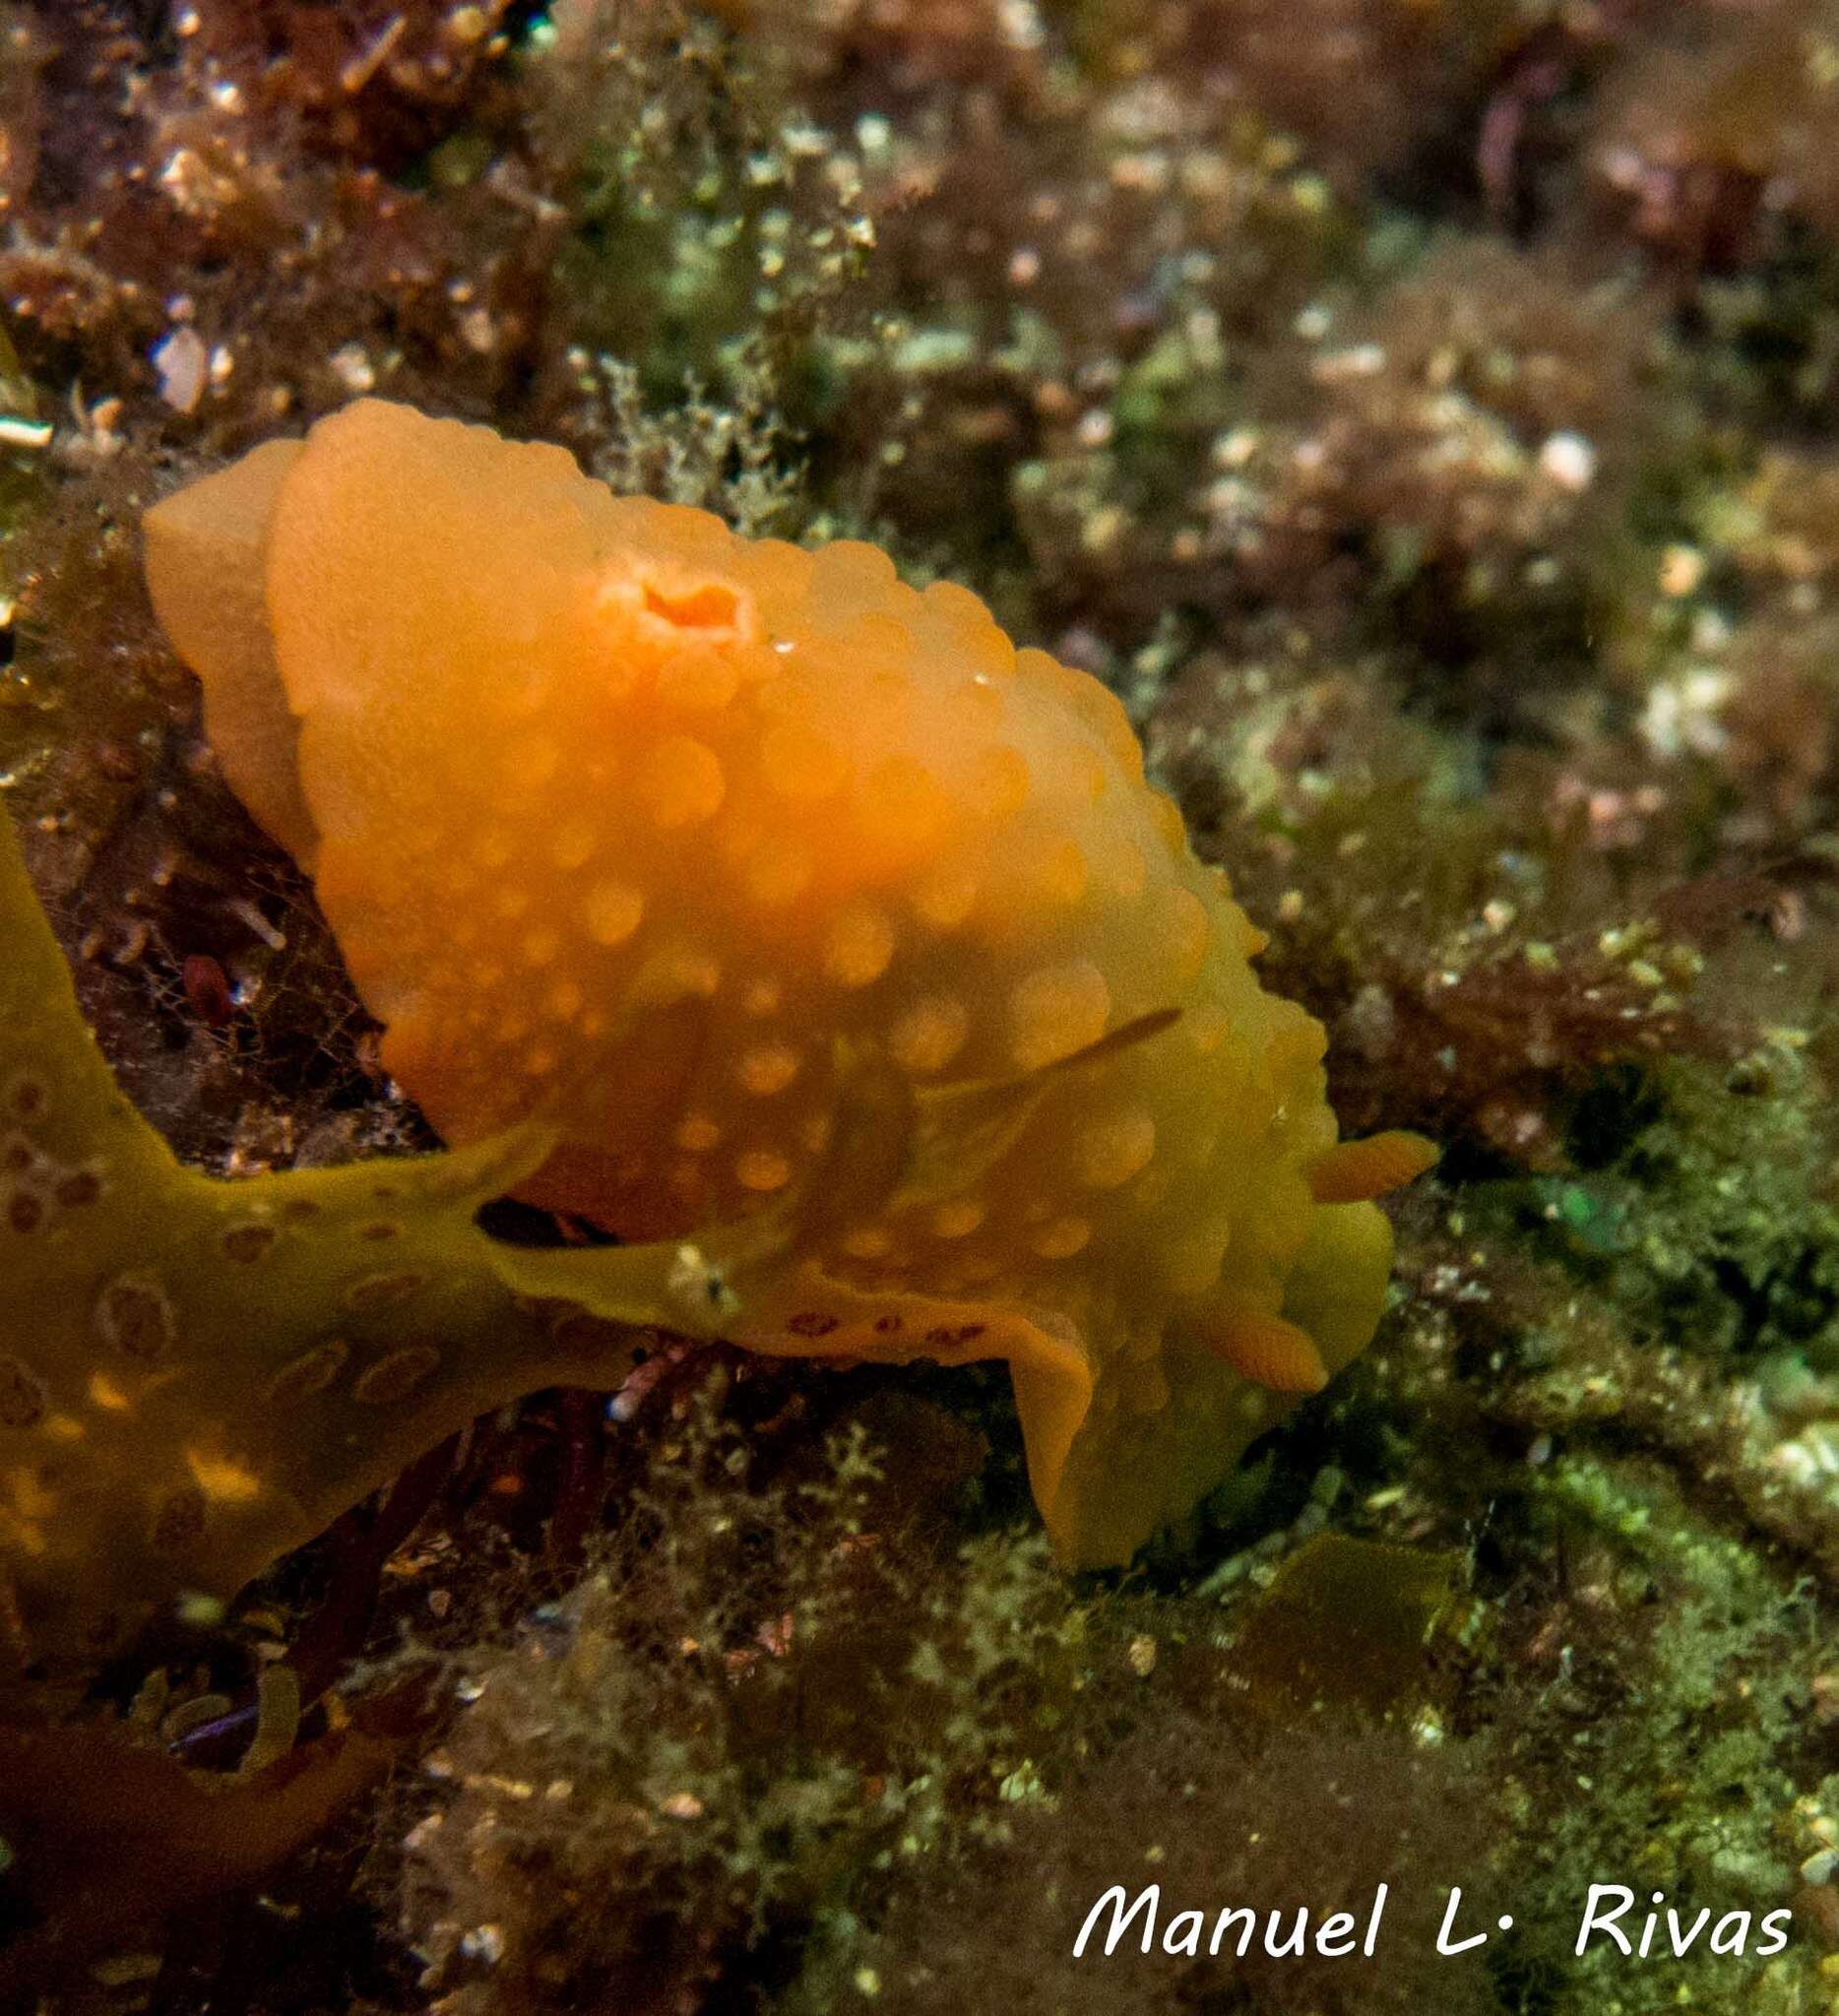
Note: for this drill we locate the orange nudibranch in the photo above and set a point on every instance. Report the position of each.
(664, 832)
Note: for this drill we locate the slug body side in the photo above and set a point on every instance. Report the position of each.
(690, 843)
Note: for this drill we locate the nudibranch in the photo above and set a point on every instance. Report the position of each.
(706, 851)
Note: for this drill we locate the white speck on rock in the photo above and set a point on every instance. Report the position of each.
(354, 370)
(1569, 461)
(183, 363)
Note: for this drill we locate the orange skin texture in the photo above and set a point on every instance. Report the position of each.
(625, 819)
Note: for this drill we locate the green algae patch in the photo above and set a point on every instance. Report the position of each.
(198, 1374)
(1397, 1605)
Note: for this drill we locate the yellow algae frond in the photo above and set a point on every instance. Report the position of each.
(222, 1480)
(235, 1366)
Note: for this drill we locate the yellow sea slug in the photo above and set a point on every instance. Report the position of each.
(688, 844)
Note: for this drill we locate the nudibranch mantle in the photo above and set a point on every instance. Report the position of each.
(677, 842)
